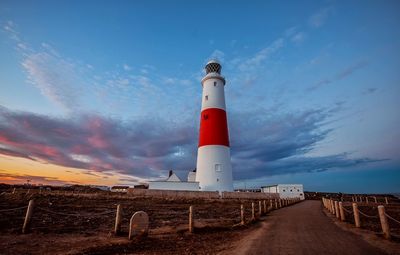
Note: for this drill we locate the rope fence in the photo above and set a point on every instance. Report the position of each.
(366, 215)
(247, 213)
(393, 219)
(337, 209)
(348, 211)
(13, 209)
(77, 214)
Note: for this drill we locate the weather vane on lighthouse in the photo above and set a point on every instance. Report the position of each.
(214, 170)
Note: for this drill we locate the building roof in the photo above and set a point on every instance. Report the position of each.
(120, 187)
(274, 185)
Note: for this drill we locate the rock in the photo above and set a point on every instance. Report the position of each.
(139, 225)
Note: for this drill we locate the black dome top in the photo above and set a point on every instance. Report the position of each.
(213, 67)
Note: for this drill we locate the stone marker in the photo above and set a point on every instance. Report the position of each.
(139, 225)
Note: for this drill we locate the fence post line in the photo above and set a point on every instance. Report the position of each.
(356, 215)
(253, 213)
(386, 201)
(332, 206)
(366, 200)
(242, 214)
(28, 217)
(337, 209)
(342, 215)
(276, 204)
(259, 208)
(280, 203)
(14, 190)
(191, 219)
(352, 198)
(117, 228)
(375, 200)
(265, 207)
(384, 222)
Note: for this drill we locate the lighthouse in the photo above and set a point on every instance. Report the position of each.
(214, 170)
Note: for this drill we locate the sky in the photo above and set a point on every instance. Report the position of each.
(108, 92)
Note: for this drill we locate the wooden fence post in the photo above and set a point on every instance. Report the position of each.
(337, 209)
(276, 204)
(341, 210)
(384, 222)
(356, 215)
(366, 200)
(375, 200)
(191, 219)
(242, 214)
(386, 201)
(265, 207)
(253, 214)
(259, 208)
(14, 190)
(117, 228)
(28, 217)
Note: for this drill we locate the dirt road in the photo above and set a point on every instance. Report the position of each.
(303, 229)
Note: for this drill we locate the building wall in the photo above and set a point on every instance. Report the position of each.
(173, 193)
(171, 185)
(249, 195)
(286, 190)
(290, 190)
(270, 189)
(210, 178)
(199, 194)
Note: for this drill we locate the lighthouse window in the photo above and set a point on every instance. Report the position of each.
(218, 167)
(205, 116)
(206, 97)
(215, 83)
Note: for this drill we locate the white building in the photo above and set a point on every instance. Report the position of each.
(285, 190)
(119, 188)
(175, 183)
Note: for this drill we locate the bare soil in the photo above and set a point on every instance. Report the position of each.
(68, 223)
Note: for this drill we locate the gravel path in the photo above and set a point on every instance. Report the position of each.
(303, 229)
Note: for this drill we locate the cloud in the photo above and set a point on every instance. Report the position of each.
(55, 77)
(33, 179)
(298, 37)
(262, 145)
(318, 19)
(218, 55)
(281, 144)
(261, 55)
(140, 148)
(127, 67)
(340, 75)
(369, 91)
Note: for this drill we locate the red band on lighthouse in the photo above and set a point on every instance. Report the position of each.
(213, 127)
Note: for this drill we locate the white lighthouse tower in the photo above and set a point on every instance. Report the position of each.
(214, 170)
